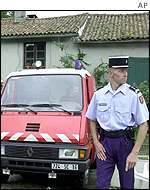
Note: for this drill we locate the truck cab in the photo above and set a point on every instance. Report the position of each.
(44, 128)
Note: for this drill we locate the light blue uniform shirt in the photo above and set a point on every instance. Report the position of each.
(115, 110)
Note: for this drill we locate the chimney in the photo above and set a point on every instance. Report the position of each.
(19, 16)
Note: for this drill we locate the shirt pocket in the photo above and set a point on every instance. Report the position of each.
(122, 114)
(103, 113)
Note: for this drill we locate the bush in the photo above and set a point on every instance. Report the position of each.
(68, 60)
(100, 75)
(144, 88)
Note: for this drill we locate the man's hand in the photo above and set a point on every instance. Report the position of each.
(131, 161)
(100, 151)
(132, 157)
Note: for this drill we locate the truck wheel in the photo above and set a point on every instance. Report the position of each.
(4, 178)
(28, 176)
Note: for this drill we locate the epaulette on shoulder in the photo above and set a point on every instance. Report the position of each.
(98, 88)
(136, 90)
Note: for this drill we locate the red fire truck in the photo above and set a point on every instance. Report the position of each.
(44, 128)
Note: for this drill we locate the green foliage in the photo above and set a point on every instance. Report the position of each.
(99, 73)
(144, 88)
(67, 59)
(81, 56)
(6, 14)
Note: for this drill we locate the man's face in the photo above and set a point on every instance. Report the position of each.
(119, 75)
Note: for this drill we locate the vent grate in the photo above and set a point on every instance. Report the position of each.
(33, 127)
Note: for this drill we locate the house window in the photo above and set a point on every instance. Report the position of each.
(34, 52)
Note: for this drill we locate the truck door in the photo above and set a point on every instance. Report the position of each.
(90, 87)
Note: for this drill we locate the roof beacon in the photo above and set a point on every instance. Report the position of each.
(78, 64)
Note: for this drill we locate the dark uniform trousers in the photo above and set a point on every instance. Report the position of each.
(117, 150)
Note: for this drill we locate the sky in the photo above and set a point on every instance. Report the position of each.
(46, 14)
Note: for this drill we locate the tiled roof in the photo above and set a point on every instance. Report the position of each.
(110, 27)
(98, 27)
(44, 26)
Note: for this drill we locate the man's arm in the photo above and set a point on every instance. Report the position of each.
(94, 131)
(100, 150)
(132, 158)
(140, 137)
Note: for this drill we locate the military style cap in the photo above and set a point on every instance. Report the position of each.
(118, 61)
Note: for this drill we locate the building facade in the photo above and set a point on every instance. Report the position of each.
(26, 39)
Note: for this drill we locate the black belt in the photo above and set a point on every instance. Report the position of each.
(128, 132)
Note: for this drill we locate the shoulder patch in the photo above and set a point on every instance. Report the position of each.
(141, 99)
(136, 90)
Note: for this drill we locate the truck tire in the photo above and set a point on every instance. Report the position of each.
(84, 179)
(4, 178)
(28, 176)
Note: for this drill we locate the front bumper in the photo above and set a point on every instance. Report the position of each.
(23, 165)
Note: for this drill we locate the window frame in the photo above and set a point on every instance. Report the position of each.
(35, 54)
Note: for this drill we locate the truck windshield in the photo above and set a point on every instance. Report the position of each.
(36, 90)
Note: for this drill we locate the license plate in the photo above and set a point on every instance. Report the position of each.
(58, 166)
(6, 171)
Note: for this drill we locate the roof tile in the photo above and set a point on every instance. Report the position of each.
(99, 27)
(110, 27)
(54, 25)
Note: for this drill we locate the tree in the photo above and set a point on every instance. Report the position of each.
(6, 14)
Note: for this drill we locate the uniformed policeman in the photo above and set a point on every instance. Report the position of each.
(117, 108)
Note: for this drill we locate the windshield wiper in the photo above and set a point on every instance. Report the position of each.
(19, 106)
(45, 105)
(52, 106)
(14, 105)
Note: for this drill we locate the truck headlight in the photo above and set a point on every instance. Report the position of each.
(68, 153)
(82, 154)
(2, 150)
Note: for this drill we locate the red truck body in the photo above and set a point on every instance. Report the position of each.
(43, 137)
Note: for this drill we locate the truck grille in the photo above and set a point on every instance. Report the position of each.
(34, 127)
(31, 152)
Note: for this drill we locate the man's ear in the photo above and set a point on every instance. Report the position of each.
(110, 72)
